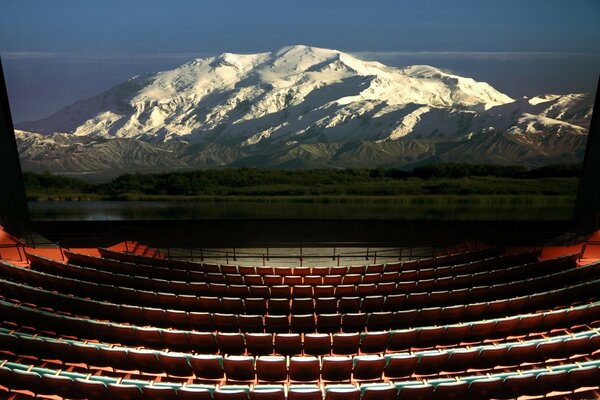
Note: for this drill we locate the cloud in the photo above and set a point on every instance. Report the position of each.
(467, 55)
(102, 57)
(26, 55)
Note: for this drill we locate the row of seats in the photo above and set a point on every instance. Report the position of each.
(279, 318)
(316, 274)
(314, 357)
(439, 261)
(196, 302)
(397, 340)
(440, 283)
(503, 385)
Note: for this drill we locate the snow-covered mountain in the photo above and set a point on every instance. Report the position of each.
(302, 107)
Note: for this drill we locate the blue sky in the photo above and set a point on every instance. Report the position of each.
(55, 52)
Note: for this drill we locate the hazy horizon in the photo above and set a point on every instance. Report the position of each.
(55, 54)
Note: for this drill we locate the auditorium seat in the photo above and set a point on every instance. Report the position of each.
(345, 343)
(336, 368)
(267, 392)
(341, 392)
(239, 368)
(368, 368)
(304, 369)
(271, 369)
(378, 391)
(288, 344)
(207, 367)
(317, 344)
(304, 392)
(259, 343)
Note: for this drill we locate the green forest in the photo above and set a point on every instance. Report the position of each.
(441, 179)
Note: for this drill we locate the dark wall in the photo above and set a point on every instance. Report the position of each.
(14, 213)
(587, 206)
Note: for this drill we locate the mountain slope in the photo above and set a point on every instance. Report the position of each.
(299, 107)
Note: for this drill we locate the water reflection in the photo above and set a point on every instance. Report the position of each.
(415, 209)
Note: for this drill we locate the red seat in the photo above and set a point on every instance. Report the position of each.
(451, 390)
(302, 291)
(207, 367)
(292, 280)
(313, 280)
(368, 368)
(329, 323)
(270, 392)
(251, 323)
(326, 305)
(239, 368)
(93, 389)
(280, 291)
(246, 270)
(124, 391)
(278, 306)
(226, 393)
(374, 342)
(401, 365)
(379, 321)
(345, 343)
(354, 322)
(264, 270)
(302, 306)
(260, 292)
(583, 376)
(344, 392)
(349, 305)
(405, 318)
(352, 279)
(519, 385)
(304, 392)
(485, 388)
(324, 291)
(58, 385)
(271, 368)
(146, 359)
(372, 303)
(288, 344)
(336, 368)
(159, 392)
(232, 305)
(304, 369)
(552, 381)
(22, 380)
(206, 341)
(379, 392)
(253, 280)
(431, 362)
(401, 340)
(259, 343)
(231, 343)
(345, 291)
(304, 323)
(201, 321)
(190, 392)
(416, 392)
(317, 344)
(271, 280)
(301, 271)
(225, 322)
(331, 279)
(174, 363)
(277, 323)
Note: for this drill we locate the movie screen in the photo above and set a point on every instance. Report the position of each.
(429, 110)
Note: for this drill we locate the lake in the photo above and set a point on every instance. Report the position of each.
(491, 208)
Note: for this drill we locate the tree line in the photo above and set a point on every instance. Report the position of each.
(230, 181)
